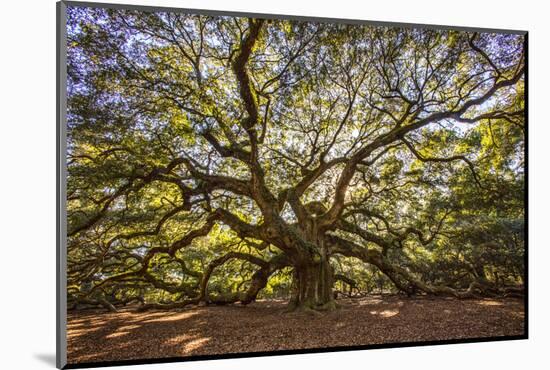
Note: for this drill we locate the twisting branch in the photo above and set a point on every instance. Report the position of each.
(483, 54)
(448, 159)
(246, 89)
(328, 219)
(130, 185)
(171, 251)
(403, 279)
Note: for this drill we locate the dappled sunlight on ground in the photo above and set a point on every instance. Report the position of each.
(385, 313)
(117, 334)
(369, 301)
(490, 303)
(129, 327)
(173, 317)
(195, 344)
(95, 335)
(179, 339)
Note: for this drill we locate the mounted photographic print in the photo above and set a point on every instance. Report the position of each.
(235, 184)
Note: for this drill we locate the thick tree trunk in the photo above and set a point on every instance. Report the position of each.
(313, 276)
(312, 286)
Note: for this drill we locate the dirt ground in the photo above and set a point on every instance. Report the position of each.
(264, 326)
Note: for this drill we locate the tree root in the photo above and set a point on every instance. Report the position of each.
(312, 309)
(303, 309)
(329, 306)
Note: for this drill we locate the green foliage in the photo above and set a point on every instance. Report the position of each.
(158, 141)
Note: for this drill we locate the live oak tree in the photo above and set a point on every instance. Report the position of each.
(264, 147)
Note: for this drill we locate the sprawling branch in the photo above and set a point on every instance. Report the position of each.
(448, 159)
(398, 133)
(134, 183)
(152, 252)
(403, 279)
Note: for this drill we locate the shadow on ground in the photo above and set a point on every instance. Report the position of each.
(46, 358)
